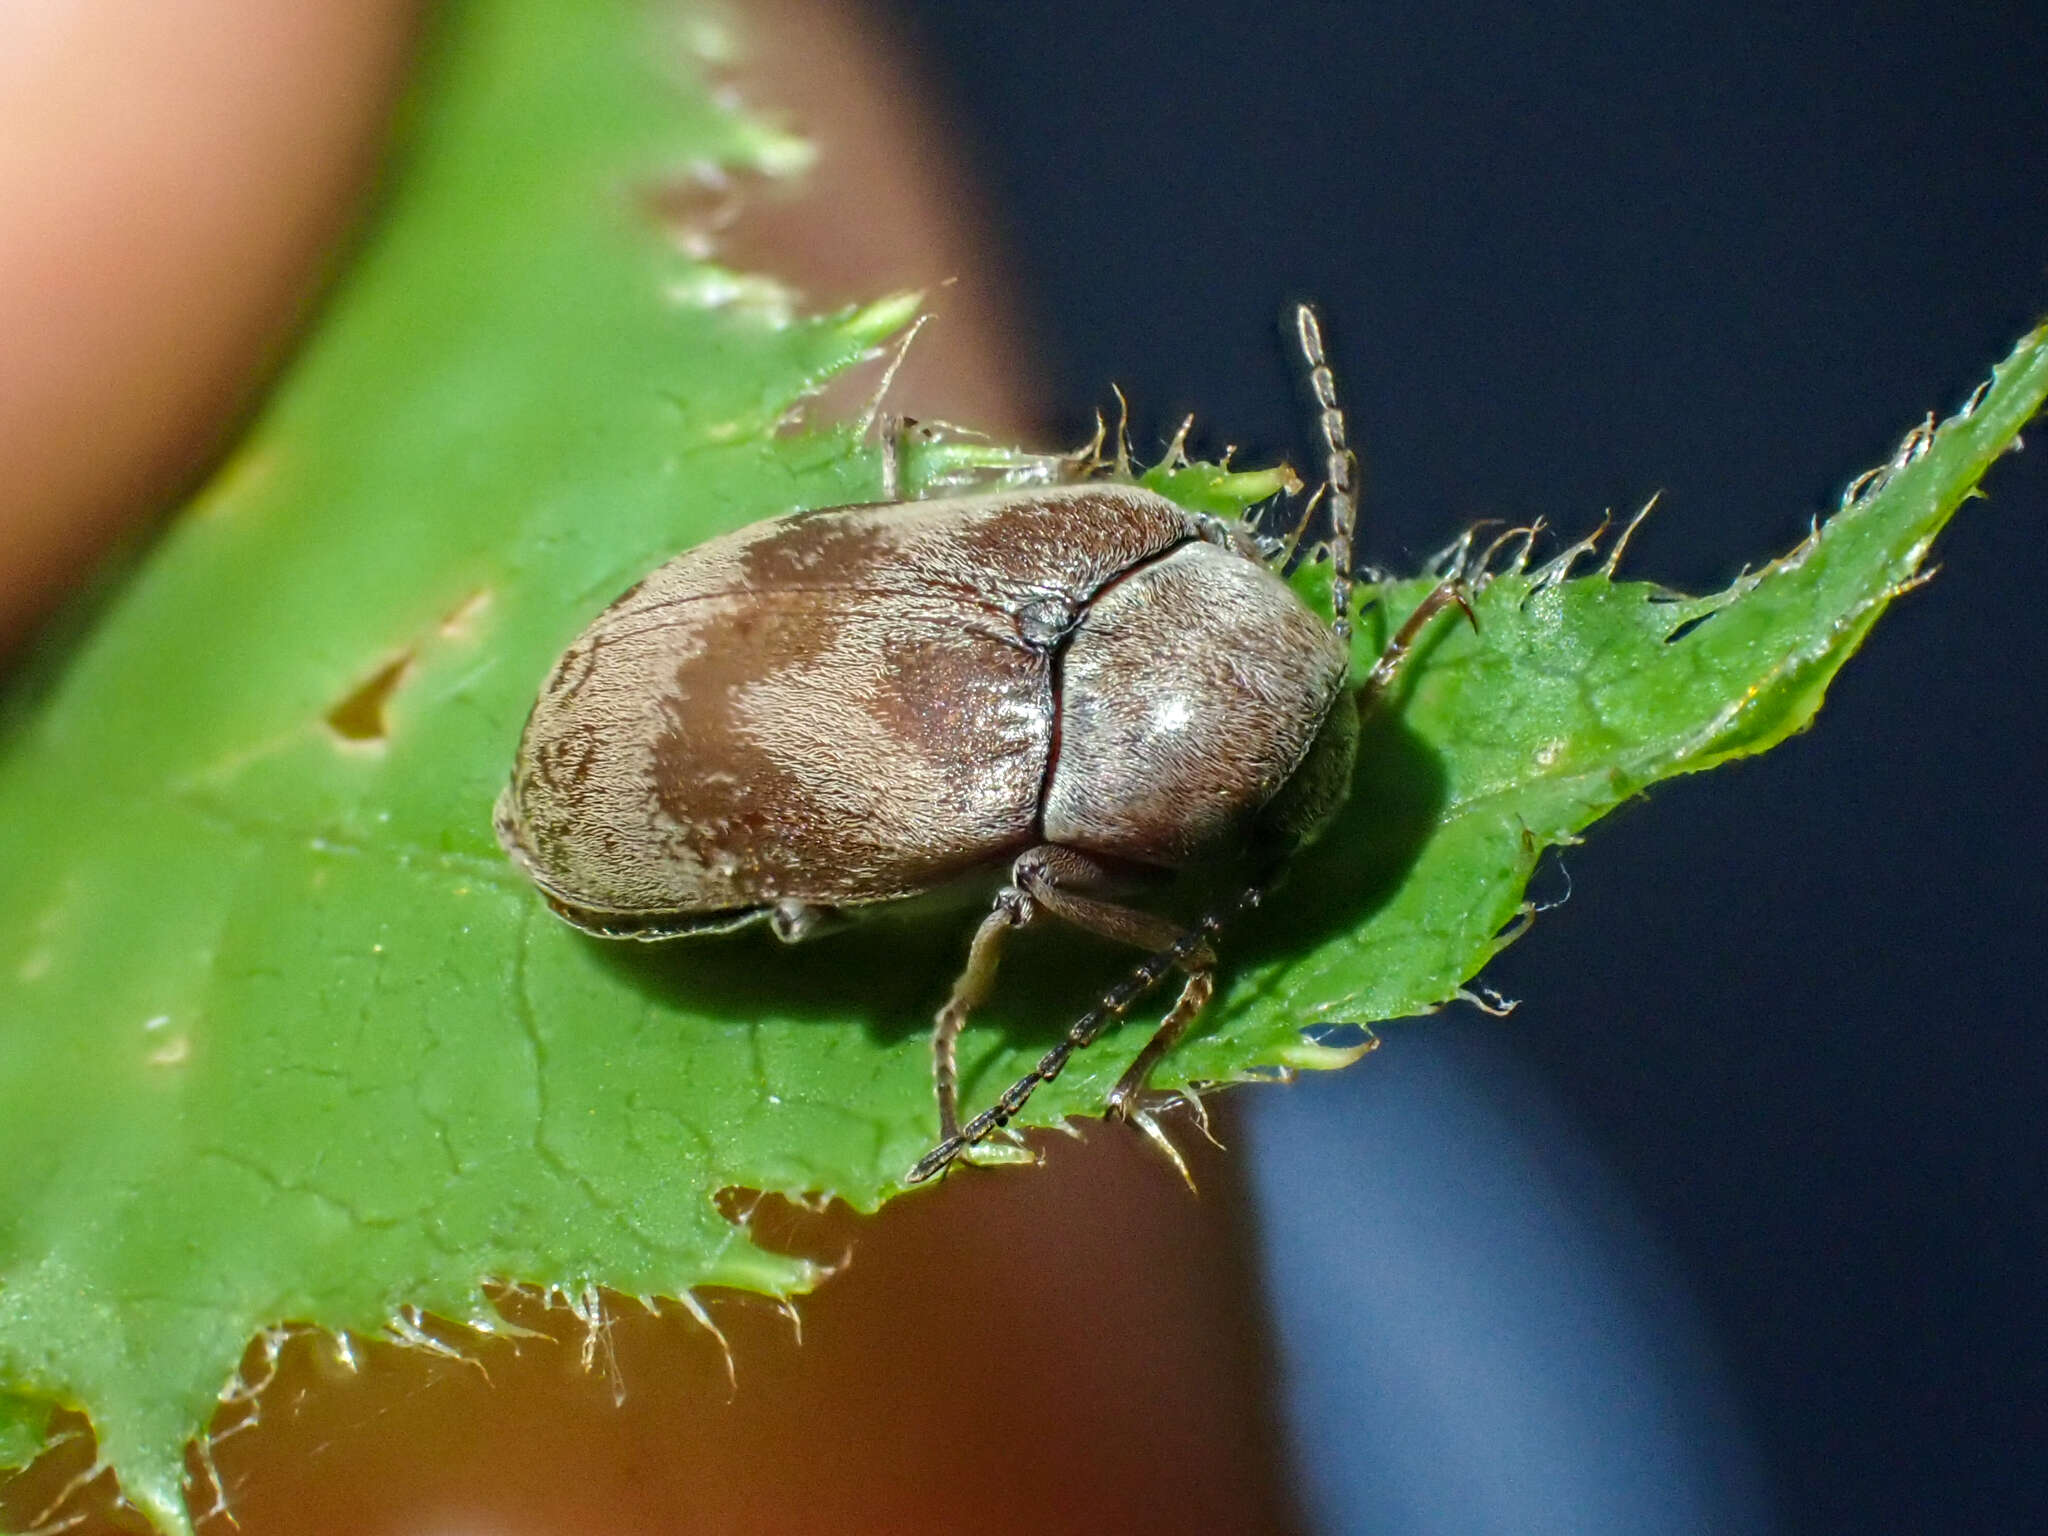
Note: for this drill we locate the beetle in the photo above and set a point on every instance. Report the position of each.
(1083, 685)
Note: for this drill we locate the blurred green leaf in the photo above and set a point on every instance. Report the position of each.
(283, 1038)
(24, 1423)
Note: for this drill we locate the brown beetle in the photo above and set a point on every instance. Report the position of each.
(856, 705)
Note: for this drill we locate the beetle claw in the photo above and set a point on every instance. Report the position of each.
(1123, 1106)
(994, 1153)
(1143, 1120)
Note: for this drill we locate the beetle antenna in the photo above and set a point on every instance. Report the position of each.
(1340, 470)
(1114, 1004)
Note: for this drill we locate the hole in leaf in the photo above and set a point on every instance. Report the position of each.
(361, 715)
(821, 1231)
(64, 1485)
(1688, 627)
(1338, 1037)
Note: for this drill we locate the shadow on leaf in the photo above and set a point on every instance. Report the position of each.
(1397, 792)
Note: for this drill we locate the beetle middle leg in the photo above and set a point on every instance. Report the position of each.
(1013, 909)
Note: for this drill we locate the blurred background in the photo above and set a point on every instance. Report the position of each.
(1741, 1221)
(1737, 1224)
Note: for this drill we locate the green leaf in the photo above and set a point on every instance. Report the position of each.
(24, 1424)
(1573, 696)
(284, 1039)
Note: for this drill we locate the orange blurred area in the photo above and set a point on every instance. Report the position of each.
(173, 184)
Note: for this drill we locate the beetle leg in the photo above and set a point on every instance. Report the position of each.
(1388, 667)
(793, 921)
(892, 429)
(1082, 1033)
(1054, 877)
(1128, 925)
(1194, 997)
(1013, 909)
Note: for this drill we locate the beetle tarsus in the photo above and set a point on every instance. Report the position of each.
(937, 1160)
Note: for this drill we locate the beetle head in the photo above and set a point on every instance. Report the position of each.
(1310, 800)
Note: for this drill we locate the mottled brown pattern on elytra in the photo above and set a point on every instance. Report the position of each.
(831, 548)
(849, 745)
(837, 707)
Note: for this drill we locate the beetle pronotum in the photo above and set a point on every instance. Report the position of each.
(1085, 683)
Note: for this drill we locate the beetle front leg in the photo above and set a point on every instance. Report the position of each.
(1388, 667)
(1123, 1098)
(1444, 595)
(1083, 1032)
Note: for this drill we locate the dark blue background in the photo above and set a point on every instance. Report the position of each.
(1571, 255)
